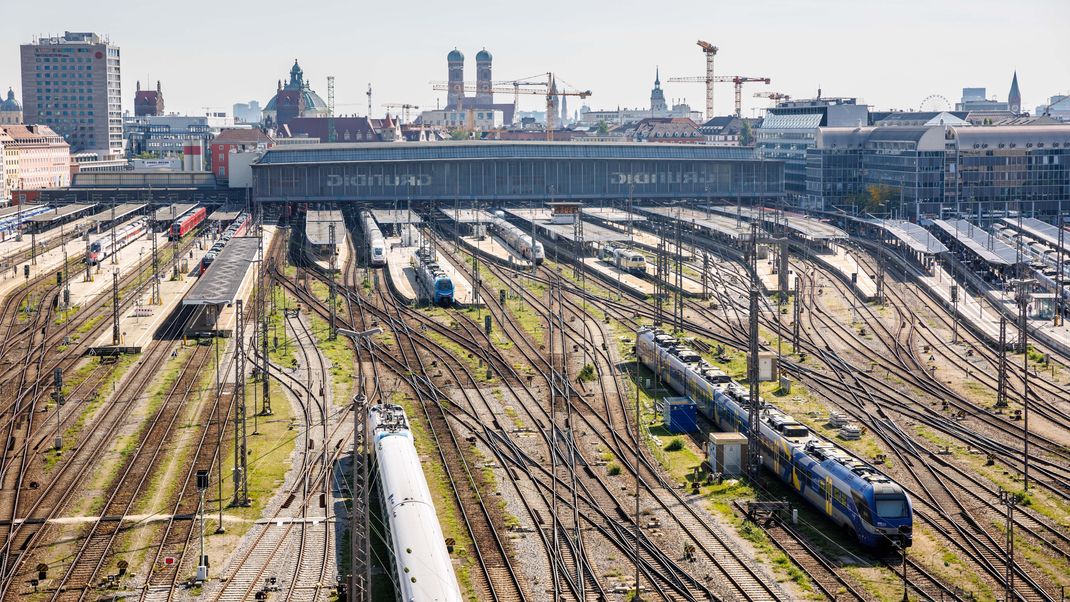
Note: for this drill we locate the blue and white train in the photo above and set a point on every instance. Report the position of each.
(422, 563)
(373, 239)
(434, 282)
(12, 222)
(875, 510)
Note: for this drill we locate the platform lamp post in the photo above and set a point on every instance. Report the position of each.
(360, 537)
(202, 559)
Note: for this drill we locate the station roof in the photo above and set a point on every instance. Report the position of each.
(612, 214)
(914, 236)
(1042, 231)
(501, 149)
(318, 227)
(805, 226)
(121, 212)
(981, 243)
(716, 223)
(468, 216)
(61, 213)
(591, 232)
(12, 210)
(165, 214)
(220, 282)
(223, 216)
(395, 216)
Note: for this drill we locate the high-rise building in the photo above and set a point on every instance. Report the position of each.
(72, 84)
(247, 112)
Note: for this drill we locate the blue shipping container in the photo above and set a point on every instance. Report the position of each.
(678, 414)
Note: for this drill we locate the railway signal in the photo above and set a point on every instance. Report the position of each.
(202, 563)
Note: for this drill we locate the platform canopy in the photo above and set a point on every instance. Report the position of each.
(385, 217)
(612, 214)
(121, 212)
(914, 236)
(468, 216)
(169, 213)
(61, 212)
(220, 283)
(720, 224)
(980, 242)
(1042, 231)
(590, 232)
(318, 227)
(805, 226)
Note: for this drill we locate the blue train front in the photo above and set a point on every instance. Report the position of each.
(434, 282)
(875, 510)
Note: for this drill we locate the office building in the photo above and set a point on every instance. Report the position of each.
(235, 140)
(924, 170)
(71, 83)
(790, 129)
(167, 135)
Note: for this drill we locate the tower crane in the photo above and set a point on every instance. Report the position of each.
(710, 51)
(737, 80)
(773, 96)
(549, 93)
(405, 108)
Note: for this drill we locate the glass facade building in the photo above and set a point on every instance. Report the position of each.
(931, 170)
(512, 171)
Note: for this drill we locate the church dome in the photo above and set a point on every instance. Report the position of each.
(455, 56)
(10, 104)
(484, 56)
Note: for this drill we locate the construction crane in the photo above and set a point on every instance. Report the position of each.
(773, 96)
(549, 93)
(405, 108)
(332, 134)
(737, 80)
(710, 51)
(369, 93)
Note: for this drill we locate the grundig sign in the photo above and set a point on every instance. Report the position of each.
(359, 180)
(665, 177)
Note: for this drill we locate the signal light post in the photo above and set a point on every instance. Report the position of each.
(202, 559)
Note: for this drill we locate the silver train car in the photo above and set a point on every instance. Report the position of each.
(529, 248)
(422, 564)
(374, 239)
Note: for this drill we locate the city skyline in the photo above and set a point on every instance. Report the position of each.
(612, 49)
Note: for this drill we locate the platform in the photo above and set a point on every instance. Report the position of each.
(805, 226)
(842, 261)
(495, 248)
(49, 218)
(399, 270)
(717, 224)
(612, 275)
(649, 242)
(915, 237)
(390, 217)
(140, 324)
(1041, 231)
(121, 212)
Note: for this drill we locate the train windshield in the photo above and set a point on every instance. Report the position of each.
(95, 247)
(443, 284)
(377, 251)
(891, 506)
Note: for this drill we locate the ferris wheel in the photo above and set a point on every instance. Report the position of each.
(935, 103)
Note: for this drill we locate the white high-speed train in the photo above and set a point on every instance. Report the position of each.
(520, 242)
(423, 565)
(373, 237)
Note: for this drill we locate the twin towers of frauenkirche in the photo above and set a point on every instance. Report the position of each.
(455, 95)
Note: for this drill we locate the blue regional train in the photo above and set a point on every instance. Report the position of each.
(434, 282)
(875, 510)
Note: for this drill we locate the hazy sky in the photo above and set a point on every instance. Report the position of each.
(890, 53)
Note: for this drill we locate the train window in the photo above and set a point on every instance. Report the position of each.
(795, 430)
(891, 506)
(862, 508)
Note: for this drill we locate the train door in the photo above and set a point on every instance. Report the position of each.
(828, 495)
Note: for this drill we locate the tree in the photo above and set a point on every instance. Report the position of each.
(603, 127)
(878, 196)
(746, 135)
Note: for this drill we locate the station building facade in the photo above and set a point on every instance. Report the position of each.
(512, 171)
